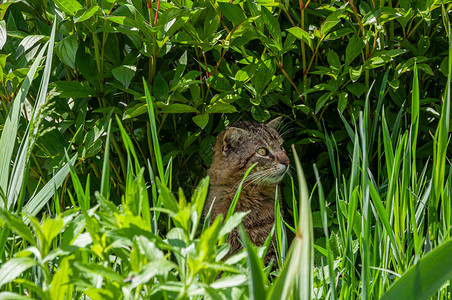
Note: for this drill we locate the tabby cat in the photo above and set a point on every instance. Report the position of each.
(236, 149)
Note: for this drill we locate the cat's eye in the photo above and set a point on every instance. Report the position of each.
(262, 151)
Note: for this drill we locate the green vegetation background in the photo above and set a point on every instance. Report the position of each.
(107, 107)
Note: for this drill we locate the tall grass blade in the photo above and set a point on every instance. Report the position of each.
(330, 258)
(105, 180)
(306, 232)
(440, 151)
(155, 139)
(21, 162)
(257, 279)
(37, 202)
(296, 278)
(9, 132)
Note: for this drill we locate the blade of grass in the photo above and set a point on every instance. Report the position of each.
(105, 180)
(9, 132)
(257, 280)
(21, 162)
(324, 216)
(155, 140)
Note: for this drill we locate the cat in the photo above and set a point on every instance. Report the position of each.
(236, 149)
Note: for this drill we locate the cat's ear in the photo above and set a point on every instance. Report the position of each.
(231, 137)
(274, 123)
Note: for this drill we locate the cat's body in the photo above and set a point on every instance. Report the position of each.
(236, 149)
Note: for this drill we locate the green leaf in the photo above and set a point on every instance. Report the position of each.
(333, 59)
(354, 48)
(66, 49)
(18, 226)
(94, 269)
(135, 111)
(232, 223)
(160, 89)
(232, 12)
(150, 270)
(273, 26)
(257, 279)
(83, 15)
(35, 204)
(301, 35)
(124, 74)
(9, 132)
(423, 279)
(178, 108)
(3, 34)
(201, 120)
(342, 103)
(260, 114)
(61, 285)
(74, 89)
(355, 73)
(12, 296)
(224, 108)
(14, 268)
(68, 6)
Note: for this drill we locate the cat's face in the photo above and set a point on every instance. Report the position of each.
(246, 143)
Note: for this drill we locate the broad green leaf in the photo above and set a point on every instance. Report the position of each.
(135, 111)
(160, 89)
(201, 120)
(14, 268)
(178, 108)
(423, 279)
(301, 35)
(124, 74)
(232, 12)
(224, 108)
(69, 6)
(66, 49)
(232, 223)
(152, 269)
(2, 34)
(355, 74)
(74, 89)
(61, 285)
(273, 26)
(94, 269)
(260, 114)
(354, 48)
(330, 22)
(16, 224)
(83, 15)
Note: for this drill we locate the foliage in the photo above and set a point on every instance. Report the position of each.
(364, 88)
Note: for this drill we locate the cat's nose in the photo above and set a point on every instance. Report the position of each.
(285, 160)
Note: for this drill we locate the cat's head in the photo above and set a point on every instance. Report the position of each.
(246, 143)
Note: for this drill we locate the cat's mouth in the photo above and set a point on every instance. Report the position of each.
(276, 175)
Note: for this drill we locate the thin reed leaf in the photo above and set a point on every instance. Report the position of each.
(257, 280)
(155, 139)
(329, 255)
(105, 179)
